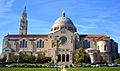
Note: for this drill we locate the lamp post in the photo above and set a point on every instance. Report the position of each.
(36, 55)
(18, 57)
(56, 52)
(57, 44)
(57, 55)
(18, 54)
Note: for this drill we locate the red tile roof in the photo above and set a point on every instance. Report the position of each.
(97, 36)
(28, 35)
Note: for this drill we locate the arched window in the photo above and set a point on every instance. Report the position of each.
(105, 47)
(26, 44)
(40, 44)
(67, 58)
(20, 44)
(23, 44)
(59, 58)
(63, 57)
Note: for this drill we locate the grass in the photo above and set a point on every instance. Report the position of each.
(95, 69)
(68, 69)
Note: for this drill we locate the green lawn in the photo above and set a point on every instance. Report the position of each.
(68, 69)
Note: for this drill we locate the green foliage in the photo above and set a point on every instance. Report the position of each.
(117, 60)
(24, 58)
(95, 69)
(14, 58)
(28, 69)
(43, 59)
(68, 69)
(81, 56)
(3, 59)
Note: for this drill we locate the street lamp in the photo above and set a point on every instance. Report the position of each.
(18, 54)
(18, 57)
(57, 56)
(57, 44)
(36, 55)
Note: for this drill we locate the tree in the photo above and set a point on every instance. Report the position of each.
(81, 56)
(3, 59)
(117, 60)
(14, 58)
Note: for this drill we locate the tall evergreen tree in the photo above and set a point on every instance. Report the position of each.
(81, 56)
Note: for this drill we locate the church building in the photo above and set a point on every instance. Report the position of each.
(62, 40)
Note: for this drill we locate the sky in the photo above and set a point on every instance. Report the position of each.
(89, 16)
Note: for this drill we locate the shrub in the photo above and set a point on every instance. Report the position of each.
(117, 60)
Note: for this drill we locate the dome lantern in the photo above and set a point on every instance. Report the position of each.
(63, 14)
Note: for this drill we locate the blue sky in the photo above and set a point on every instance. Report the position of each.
(89, 16)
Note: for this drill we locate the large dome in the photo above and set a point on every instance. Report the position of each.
(63, 23)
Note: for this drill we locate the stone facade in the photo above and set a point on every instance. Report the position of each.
(60, 43)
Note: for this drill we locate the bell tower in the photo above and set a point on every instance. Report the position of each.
(23, 23)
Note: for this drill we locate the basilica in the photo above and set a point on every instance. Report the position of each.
(60, 43)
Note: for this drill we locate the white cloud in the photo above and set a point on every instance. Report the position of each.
(86, 27)
(5, 5)
(97, 20)
(90, 26)
(86, 24)
(38, 26)
(9, 3)
(38, 23)
(6, 14)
